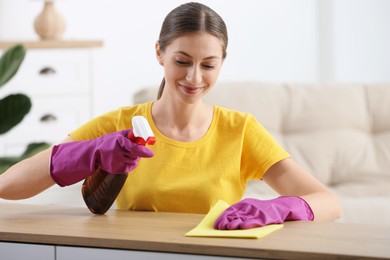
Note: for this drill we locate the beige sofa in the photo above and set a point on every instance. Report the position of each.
(338, 132)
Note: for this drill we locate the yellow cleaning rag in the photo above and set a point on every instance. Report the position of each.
(206, 227)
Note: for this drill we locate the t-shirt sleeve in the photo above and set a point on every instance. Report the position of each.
(260, 150)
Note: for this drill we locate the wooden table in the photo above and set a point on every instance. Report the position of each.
(164, 232)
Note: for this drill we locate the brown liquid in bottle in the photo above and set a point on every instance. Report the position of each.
(101, 189)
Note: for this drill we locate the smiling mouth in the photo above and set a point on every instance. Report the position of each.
(190, 90)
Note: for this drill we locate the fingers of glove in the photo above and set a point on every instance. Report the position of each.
(242, 210)
(124, 156)
(234, 224)
(124, 133)
(233, 218)
(262, 218)
(134, 149)
(242, 222)
(251, 223)
(247, 209)
(118, 167)
(220, 223)
(224, 222)
(142, 151)
(230, 222)
(119, 144)
(229, 215)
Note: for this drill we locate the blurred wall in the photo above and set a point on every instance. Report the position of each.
(270, 40)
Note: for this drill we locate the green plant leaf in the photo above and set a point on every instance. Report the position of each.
(13, 108)
(34, 148)
(6, 162)
(10, 62)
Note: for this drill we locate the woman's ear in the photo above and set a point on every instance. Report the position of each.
(159, 54)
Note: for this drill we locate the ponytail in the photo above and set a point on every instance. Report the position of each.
(161, 89)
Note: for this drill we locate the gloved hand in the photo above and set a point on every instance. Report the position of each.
(114, 153)
(250, 213)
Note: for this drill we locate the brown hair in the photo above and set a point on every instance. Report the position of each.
(191, 18)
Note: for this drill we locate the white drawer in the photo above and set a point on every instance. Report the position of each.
(14, 251)
(62, 116)
(53, 71)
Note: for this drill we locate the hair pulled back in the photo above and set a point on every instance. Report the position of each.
(191, 18)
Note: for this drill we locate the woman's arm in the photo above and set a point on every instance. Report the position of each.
(28, 177)
(288, 179)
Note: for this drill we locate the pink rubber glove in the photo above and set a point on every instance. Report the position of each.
(114, 153)
(250, 213)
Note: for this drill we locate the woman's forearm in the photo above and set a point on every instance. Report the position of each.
(289, 179)
(26, 178)
(325, 205)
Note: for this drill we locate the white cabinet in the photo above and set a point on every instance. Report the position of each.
(22, 251)
(71, 253)
(60, 82)
(19, 251)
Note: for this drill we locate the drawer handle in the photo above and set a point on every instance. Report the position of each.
(47, 71)
(48, 118)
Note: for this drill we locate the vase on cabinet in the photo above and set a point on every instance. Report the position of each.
(49, 24)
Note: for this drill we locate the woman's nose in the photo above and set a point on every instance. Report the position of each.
(194, 75)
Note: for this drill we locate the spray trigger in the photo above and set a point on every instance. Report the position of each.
(142, 133)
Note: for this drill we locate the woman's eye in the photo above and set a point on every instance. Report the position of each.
(209, 67)
(180, 62)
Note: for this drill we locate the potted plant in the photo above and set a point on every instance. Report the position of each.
(14, 107)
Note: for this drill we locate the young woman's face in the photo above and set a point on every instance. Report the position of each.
(191, 65)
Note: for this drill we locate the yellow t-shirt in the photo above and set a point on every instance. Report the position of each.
(192, 176)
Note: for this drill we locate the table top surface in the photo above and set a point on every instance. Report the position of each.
(164, 232)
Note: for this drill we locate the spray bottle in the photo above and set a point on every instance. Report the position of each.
(102, 188)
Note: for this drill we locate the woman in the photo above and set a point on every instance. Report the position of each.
(203, 153)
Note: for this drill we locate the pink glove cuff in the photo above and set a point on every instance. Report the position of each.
(65, 174)
(308, 212)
